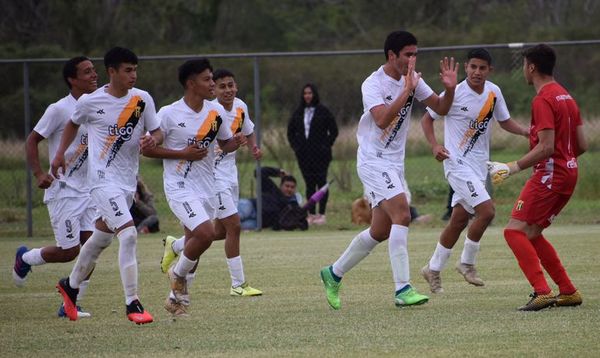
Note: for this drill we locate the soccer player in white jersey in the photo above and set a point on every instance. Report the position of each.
(227, 222)
(189, 180)
(467, 132)
(117, 116)
(68, 200)
(388, 95)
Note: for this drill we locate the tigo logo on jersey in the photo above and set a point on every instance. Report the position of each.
(122, 132)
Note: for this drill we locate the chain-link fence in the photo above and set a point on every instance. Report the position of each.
(272, 85)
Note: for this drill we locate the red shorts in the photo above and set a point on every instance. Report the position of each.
(538, 205)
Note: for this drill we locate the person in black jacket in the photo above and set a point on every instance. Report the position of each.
(311, 133)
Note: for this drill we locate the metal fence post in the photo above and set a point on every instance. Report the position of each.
(257, 133)
(27, 110)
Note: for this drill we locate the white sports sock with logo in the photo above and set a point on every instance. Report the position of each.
(34, 257)
(359, 248)
(236, 271)
(398, 251)
(440, 257)
(469, 253)
(184, 266)
(128, 263)
(88, 255)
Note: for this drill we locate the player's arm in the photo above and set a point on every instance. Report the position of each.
(253, 147)
(448, 75)
(582, 144)
(191, 152)
(385, 114)
(69, 134)
(44, 179)
(232, 144)
(514, 127)
(543, 150)
(439, 152)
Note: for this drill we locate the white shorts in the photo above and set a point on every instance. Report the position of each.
(112, 206)
(381, 182)
(226, 202)
(193, 212)
(469, 189)
(70, 216)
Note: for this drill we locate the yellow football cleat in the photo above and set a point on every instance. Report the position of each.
(168, 255)
(244, 290)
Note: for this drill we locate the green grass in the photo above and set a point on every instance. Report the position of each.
(293, 318)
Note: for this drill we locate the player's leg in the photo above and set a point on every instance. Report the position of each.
(484, 214)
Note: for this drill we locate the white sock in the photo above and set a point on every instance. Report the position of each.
(90, 251)
(34, 257)
(440, 257)
(128, 263)
(359, 248)
(83, 286)
(469, 253)
(178, 245)
(184, 266)
(236, 271)
(398, 251)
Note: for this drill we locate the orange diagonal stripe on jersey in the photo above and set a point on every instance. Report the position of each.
(206, 126)
(237, 121)
(123, 118)
(487, 106)
(80, 149)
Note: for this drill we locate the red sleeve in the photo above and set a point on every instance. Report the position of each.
(543, 114)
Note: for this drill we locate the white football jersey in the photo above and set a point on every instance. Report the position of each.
(182, 127)
(388, 144)
(51, 126)
(237, 120)
(467, 126)
(115, 126)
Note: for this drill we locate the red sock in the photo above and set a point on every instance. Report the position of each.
(552, 265)
(528, 260)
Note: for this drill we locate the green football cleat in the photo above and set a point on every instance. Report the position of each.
(244, 290)
(332, 288)
(410, 297)
(168, 255)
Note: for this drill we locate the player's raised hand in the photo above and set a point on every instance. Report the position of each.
(193, 152)
(440, 152)
(412, 78)
(501, 171)
(147, 142)
(44, 180)
(448, 72)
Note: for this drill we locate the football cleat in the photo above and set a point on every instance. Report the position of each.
(469, 273)
(80, 312)
(571, 300)
(178, 286)
(168, 255)
(538, 302)
(332, 288)
(137, 314)
(175, 308)
(433, 279)
(244, 290)
(409, 297)
(21, 268)
(69, 295)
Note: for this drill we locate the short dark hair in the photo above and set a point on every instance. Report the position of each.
(288, 178)
(118, 55)
(542, 56)
(397, 40)
(193, 67)
(70, 68)
(222, 73)
(315, 100)
(481, 54)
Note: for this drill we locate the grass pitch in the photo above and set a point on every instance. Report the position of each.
(293, 318)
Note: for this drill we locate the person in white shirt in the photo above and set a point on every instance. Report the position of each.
(189, 123)
(117, 117)
(68, 200)
(227, 222)
(388, 95)
(467, 133)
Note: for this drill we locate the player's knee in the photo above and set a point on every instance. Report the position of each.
(204, 233)
(127, 235)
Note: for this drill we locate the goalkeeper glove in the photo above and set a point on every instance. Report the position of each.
(500, 171)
